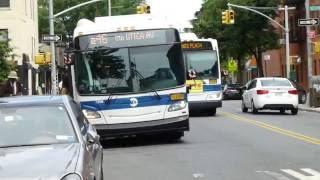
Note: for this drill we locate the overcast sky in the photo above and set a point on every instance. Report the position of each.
(179, 11)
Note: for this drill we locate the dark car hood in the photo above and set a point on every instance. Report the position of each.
(38, 162)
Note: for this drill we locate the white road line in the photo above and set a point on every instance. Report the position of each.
(198, 175)
(314, 175)
(275, 175)
(311, 171)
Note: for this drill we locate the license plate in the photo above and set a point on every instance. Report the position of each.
(278, 94)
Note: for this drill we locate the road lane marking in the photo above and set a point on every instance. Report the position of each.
(198, 175)
(267, 126)
(275, 175)
(315, 175)
(310, 174)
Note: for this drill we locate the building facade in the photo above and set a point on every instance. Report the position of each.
(19, 26)
(276, 65)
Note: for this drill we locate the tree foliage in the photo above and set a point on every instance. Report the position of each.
(251, 34)
(5, 52)
(66, 23)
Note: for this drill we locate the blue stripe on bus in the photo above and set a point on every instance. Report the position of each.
(211, 87)
(124, 103)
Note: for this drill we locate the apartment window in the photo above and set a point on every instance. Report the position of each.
(4, 35)
(4, 3)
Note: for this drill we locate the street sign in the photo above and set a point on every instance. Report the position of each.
(311, 34)
(50, 38)
(314, 8)
(308, 22)
(267, 57)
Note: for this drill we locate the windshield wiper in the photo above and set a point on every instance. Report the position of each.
(111, 94)
(140, 75)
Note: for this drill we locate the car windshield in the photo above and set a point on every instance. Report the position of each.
(35, 125)
(275, 82)
(129, 70)
(204, 63)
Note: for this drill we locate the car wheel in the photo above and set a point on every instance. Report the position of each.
(243, 107)
(212, 112)
(282, 111)
(254, 109)
(294, 111)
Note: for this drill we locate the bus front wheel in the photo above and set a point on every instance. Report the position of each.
(212, 112)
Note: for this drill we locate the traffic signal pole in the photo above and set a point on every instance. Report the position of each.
(309, 50)
(285, 29)
(54, 77)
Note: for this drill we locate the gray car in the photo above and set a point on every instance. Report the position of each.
(47, 137)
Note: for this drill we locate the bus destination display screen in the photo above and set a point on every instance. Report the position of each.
(126, 39)
(196, 45)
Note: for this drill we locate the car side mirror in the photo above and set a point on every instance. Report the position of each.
(92, 135)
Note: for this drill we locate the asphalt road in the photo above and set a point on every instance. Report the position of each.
(230, 146)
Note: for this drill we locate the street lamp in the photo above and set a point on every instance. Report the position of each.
(54, 84)
(286, 29)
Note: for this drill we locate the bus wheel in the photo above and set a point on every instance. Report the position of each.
(212, 112)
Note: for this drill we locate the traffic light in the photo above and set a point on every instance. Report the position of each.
(147, 9)
(143, 9)
(316, 47)
(140, 10)
(43, 58)
(231, 16)
(225, 17)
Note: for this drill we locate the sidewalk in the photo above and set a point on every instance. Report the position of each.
(305, 107)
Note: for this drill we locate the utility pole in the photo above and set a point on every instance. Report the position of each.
(286, 28)
(309, 50)
(109, 7)
(54, 84)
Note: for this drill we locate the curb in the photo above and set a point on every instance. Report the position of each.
(309, 109)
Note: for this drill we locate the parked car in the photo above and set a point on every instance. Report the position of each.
(47, 137)
(270, 93)
(232, 91)
(302, 94)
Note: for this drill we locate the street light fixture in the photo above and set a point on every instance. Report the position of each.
(54, 78)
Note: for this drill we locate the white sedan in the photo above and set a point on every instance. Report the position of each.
(270, 93)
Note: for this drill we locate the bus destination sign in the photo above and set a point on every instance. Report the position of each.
(125, 39)
(196, 45)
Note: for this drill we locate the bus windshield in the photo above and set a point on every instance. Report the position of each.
(129, 69)
(204, 63)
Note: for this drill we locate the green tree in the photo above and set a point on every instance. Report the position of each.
(251, 34)
(66, 23)
(5, 52)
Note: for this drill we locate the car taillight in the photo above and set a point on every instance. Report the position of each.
(294, 91)
(262, 91)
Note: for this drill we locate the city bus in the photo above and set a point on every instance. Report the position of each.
(203, 73)
(128, 75)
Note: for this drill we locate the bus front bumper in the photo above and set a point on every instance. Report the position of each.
(204, 105)
(177, 124)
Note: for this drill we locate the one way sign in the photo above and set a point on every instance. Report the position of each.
(308, 22)
(50, 38)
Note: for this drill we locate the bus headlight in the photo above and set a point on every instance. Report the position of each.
(176, 106)
(89, 114)
(213, 96)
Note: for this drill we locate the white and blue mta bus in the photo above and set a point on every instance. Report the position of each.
(128, 76)
(203, 73)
